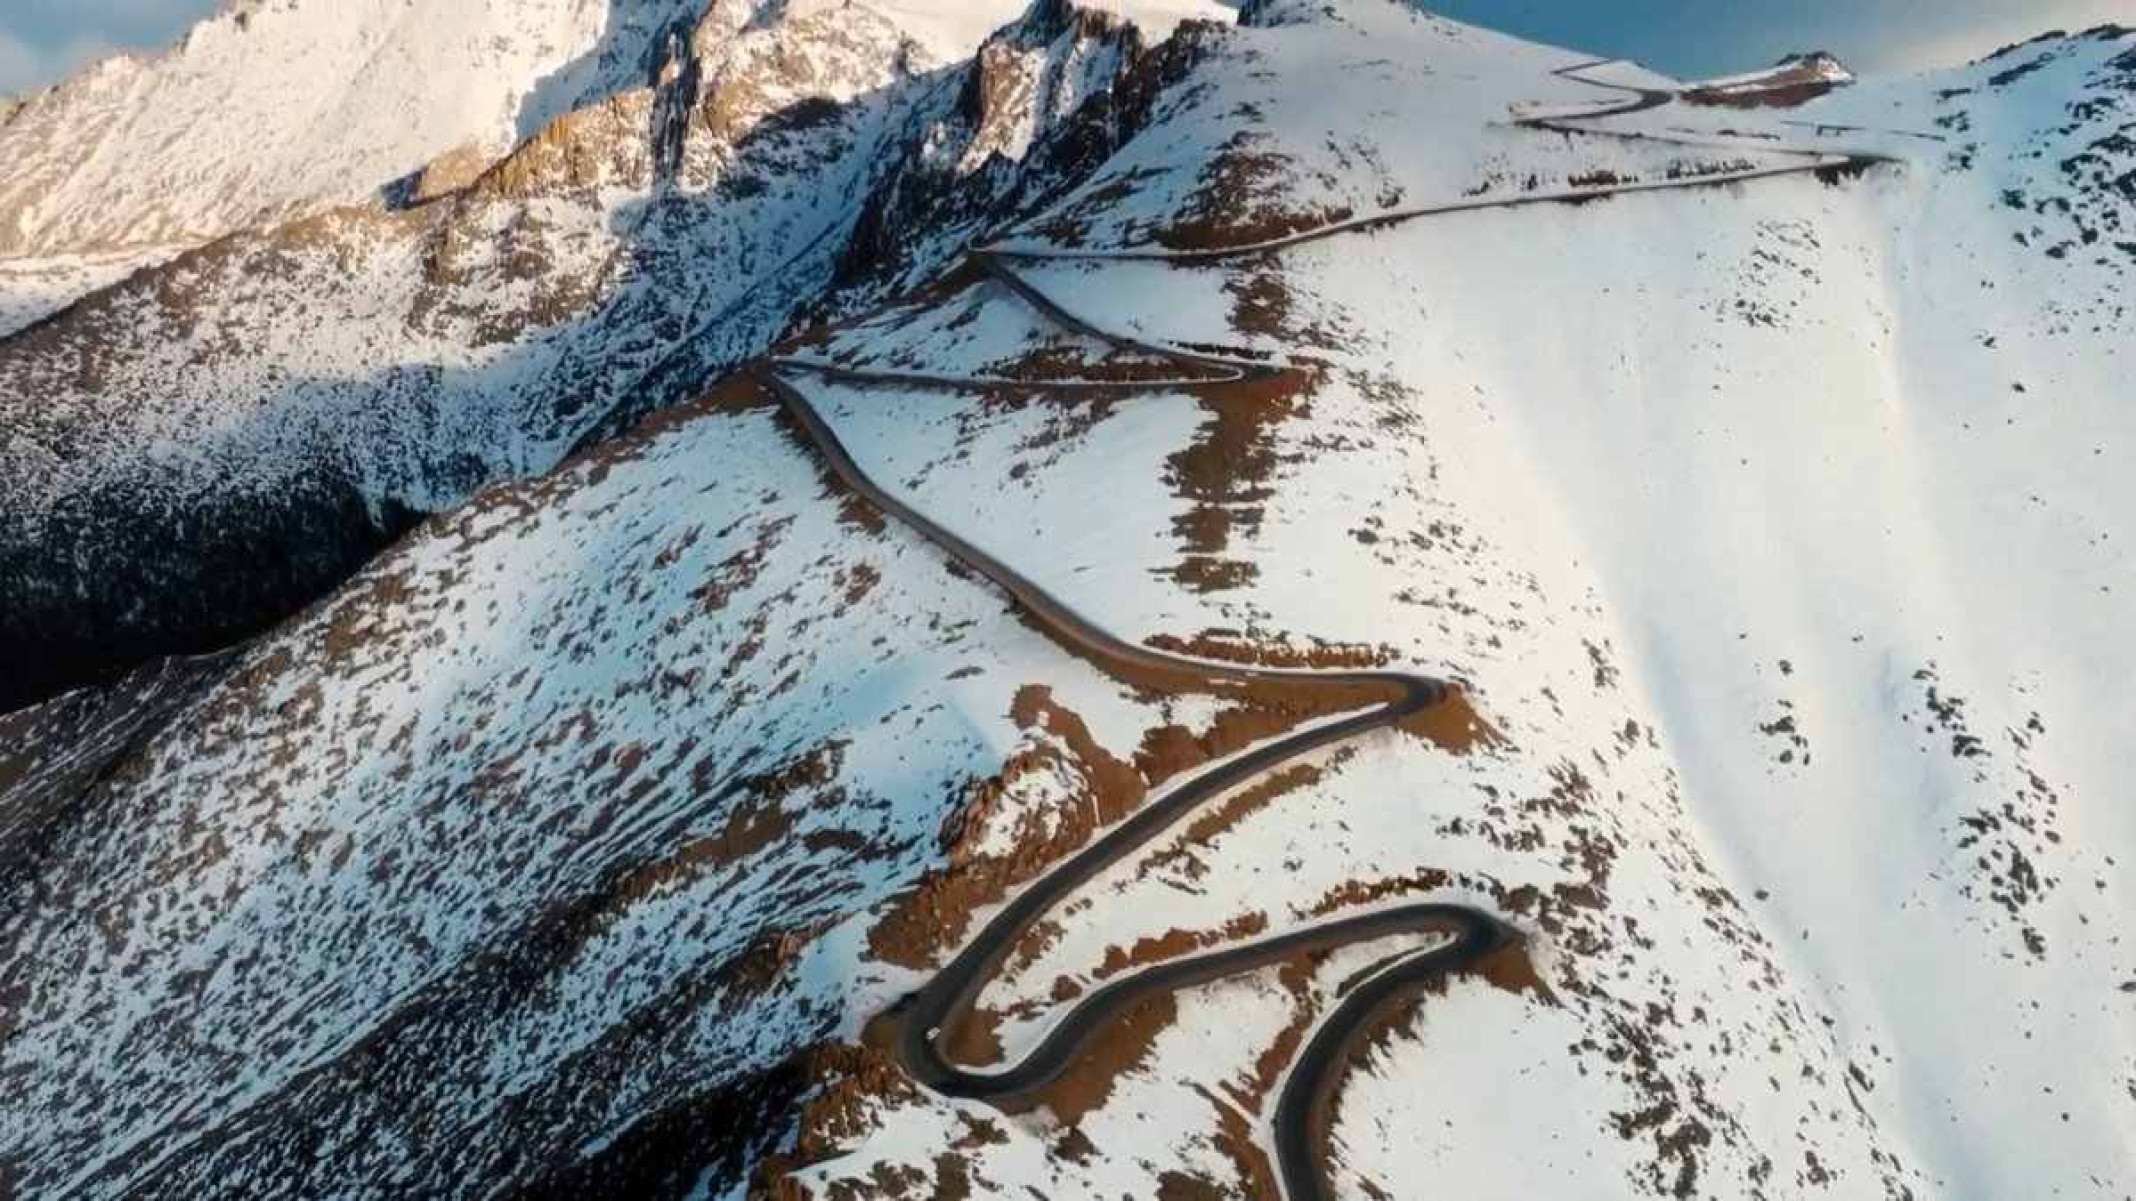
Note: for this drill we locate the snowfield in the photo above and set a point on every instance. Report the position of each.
(1773, 513)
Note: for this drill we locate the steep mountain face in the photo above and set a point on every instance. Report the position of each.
(1754, 475)
(531, 783)
(205, 446)
(336, 103)
(1764, 521)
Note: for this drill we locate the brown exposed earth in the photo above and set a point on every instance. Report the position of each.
(1239, 201)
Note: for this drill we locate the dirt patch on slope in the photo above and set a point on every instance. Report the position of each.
(1174, 943)
(1453, 725)
(1229, 646)
(1239, 201)
(1226, 474)
(935, 915)
(1205, 828)
(1088, 1084)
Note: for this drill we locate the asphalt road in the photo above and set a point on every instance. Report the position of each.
(1466, 935)
(1637, 100)
(948, 997)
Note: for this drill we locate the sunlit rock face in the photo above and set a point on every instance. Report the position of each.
(202, 447)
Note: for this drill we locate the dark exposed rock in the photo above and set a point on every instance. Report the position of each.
(108, 586)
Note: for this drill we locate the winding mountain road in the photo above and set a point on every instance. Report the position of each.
(1464, 935)
(1638, 100)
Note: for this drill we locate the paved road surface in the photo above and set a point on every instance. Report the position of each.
(1466, 934)
(1463, 934)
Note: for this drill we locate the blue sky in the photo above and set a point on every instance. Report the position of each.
(42, 40)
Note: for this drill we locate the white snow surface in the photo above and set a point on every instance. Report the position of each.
(950, 29)
(339, 98)
(1851, 638)
(32, 289)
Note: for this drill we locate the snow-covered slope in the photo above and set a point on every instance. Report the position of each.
(1779, 528)
(341, 101)
(486, 795)
(336, 101)
(34, 288)
(1760, 475)
(301, 388)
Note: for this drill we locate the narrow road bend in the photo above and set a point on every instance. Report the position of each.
(1464, 934)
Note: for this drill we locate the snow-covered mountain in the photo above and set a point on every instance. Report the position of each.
(860, 469)
(198, 449)
(275, 109)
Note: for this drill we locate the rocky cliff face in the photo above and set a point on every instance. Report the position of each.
(287, 397)
(272, 109)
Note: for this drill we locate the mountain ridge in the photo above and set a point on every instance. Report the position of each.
(574, 252)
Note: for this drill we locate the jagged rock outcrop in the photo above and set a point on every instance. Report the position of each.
(338, 100)
(200, 450)
(998, 157)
